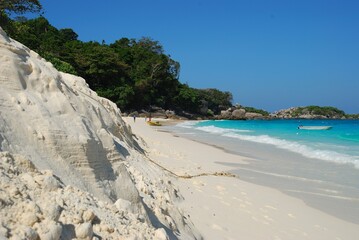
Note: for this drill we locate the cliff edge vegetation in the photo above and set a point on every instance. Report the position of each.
(136, 74)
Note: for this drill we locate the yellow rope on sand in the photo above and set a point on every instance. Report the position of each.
(218, 174)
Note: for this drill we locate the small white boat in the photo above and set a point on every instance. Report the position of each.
(315, 127)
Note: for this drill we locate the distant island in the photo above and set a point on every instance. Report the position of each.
(239, 112)
(308, 112)
(313, 112)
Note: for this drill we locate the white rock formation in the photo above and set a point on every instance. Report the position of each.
(86, 156)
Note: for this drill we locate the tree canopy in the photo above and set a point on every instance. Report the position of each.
(136, 74)
(20, 6)
(317, 110)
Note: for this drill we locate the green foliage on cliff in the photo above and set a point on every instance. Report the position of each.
(329, 112)
(216, 100)
(59, 64)
(187, 98)
(134, 73)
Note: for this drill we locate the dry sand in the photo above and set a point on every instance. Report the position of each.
(70, 167)
(225, 207)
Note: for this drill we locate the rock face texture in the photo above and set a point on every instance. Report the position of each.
(238, 114)
(235, 113)
(76, 156)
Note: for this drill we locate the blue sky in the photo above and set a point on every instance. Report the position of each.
(270, 54)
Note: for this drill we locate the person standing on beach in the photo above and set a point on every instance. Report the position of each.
(134, 118)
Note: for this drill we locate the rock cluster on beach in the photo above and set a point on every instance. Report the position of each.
(233, 113)
(69, 165)
(285, 113)
(242, 113)
(238, 113)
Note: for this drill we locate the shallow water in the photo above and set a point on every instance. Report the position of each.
(339, 144)
(319, 167)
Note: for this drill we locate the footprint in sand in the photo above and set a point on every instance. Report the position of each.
(198, 183)
(271, 207)
(244, 210)
(268, 218)
(242, 205)
(300, 232)
(237, 199)
(291, 216)
(259, 220)
(263, 210)
(321, 227)
(217, 197)
(226, 203)
(216, 227)
(220, 188)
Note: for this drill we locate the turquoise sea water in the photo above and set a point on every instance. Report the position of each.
(320, 167)
(339, 144)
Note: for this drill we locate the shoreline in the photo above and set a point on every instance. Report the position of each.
(230, 208)
(326, 186)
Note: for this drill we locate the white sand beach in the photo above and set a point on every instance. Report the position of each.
(225, 207)
(72, 168)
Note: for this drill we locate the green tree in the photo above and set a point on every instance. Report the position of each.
(20, 6)
(330, 112)
(37, 34)
(256, 110)
(187, 99)
(135, 74)
(123, 96)
(59, 64)
(16, 7)
(67, 35)
(98, 64)
(154, 75)
(216, 99)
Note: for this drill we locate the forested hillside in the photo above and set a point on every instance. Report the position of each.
(134, 73)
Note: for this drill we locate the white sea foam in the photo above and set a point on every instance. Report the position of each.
(304, 150)
(299, 148)
(217, 130)
(187, 124)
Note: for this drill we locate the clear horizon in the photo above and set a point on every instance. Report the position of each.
(269, 54)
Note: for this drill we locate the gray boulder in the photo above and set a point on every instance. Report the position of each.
(251, 115)
(239, 114)
(225, 114)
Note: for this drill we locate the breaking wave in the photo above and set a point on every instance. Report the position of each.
(293, 146)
